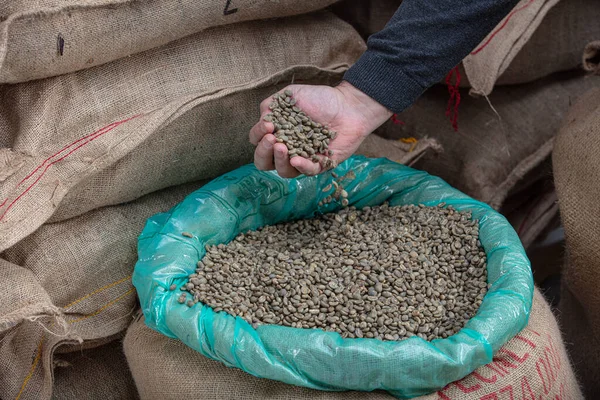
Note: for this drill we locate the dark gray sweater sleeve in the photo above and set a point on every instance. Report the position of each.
(422, 42)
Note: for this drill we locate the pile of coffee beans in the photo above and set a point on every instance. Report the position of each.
(302, 136)
(380, 272)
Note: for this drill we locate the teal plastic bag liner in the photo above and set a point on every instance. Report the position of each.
(246, 199)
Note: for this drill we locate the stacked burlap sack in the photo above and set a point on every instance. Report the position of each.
(137, 101)
(82, 147)
(67, 287)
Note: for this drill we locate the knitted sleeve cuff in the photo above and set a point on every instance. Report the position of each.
(384, 82)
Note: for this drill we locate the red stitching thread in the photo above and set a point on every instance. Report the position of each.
(63, 149)
(467, 389)
(513, 12)
(496, 367)
(534, 332)
(4, 202)
(110, 127)
(395, 120)
(452, 110)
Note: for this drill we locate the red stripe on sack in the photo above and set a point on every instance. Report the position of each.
(509, 389)
(467, 389)
(110, 127)
(514, 356)
(489, 396)
(513, 12)
(539, 371)
(532, 331)
(524, 339)
(63, 149)
(525, 386)
(499, 369)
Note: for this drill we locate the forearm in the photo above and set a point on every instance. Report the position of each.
(421, 43)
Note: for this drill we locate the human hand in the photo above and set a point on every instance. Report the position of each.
(344, 108)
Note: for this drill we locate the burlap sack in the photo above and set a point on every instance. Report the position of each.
(577, 176)
(68, 287)
(535, 40)
(39, 39)
(178, 113)
(493, 55)
(97, 374)
(532, 365)
(556, 44)
(498, 142)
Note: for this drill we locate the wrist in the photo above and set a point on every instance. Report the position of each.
(372, 113)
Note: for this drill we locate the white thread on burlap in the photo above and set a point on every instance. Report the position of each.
(31, 313)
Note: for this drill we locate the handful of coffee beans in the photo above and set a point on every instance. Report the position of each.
(380, 272)
(305, 138)
(302, 136)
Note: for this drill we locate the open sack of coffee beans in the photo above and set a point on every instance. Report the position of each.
(386, 291)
